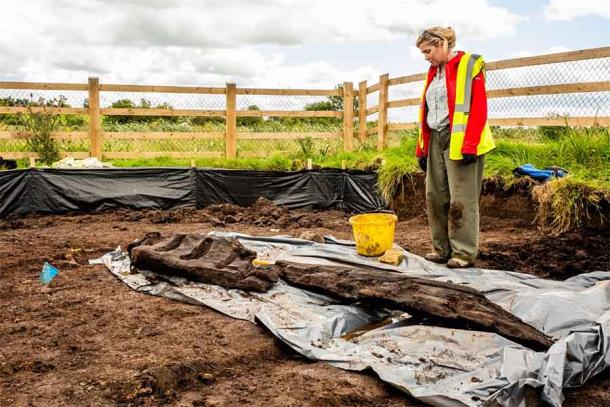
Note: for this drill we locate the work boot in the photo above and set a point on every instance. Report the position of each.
(435, 257)
(457, 263)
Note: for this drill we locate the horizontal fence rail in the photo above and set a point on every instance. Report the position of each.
(351, 121)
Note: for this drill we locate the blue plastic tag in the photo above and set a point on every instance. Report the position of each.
(48, 273)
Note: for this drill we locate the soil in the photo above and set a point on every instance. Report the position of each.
(87, 339)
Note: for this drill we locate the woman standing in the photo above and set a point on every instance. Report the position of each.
(453, 138)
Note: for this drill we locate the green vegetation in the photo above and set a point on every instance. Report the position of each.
(41, 124)
(584, 152)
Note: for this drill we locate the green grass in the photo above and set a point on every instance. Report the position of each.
(273, 163)
(562, 204)
(584, 152)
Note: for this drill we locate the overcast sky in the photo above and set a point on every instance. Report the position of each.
(273, 43)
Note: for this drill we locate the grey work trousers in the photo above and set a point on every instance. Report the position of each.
(452, 199)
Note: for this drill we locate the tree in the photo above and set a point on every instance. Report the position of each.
(41, 124)
(250, 121)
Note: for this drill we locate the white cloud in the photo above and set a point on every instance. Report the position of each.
(566, 10)
(214, 41)
(529, 53)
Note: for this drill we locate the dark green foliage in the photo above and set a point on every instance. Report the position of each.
(42, 124)
(250, 121)
(144, 104)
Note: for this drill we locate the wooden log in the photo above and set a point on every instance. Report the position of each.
(205, 259)
(372, 109)
(225, 262)
(289, 92)
(111, 111)
(289, 113)
(45, 110)
(560, 57)
(348, 116)
(162, 89)
(231, 122)
(120, 155)
(95, 120)
(287, 135)
(362, 111)
(420, 297)
(382, 119)
(43, 86)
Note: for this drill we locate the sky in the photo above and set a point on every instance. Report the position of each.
(274, 43)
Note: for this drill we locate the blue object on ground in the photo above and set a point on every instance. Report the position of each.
(544, 174)
(48, 273)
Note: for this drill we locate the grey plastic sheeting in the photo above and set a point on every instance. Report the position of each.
(439, 366)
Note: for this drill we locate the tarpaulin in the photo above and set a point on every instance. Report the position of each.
(441, 366)
(67, 190)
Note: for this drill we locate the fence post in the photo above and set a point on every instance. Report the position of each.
(382, 121)
(231, 121)
(348, 116)
(362, 111)
(95, 121)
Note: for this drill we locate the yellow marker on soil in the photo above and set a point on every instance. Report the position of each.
(261, 262)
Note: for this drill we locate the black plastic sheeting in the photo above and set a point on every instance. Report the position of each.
(89, 190)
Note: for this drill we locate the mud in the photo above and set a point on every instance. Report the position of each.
(456, 210)
(87, 339)
(510, 238)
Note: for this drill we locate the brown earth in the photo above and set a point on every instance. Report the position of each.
(87, 339)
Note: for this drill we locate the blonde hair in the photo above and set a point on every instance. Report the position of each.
(434, 35)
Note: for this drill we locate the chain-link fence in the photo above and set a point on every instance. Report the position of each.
(163, 133)
(578, 104)
(562, 103)
(12, 125)
(192, 121)
(298, 137)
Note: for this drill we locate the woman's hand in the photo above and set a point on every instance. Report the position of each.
(469, 159)
(423, 163)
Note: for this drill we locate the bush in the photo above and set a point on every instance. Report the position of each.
(12, 119)
(552, 132)
(250, 121)
(144, 104)
(42, 124)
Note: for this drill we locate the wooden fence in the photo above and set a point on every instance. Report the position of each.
(230, 113)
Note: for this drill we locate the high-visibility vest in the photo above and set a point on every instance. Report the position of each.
(469, 67)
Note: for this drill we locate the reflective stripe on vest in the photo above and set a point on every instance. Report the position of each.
(422, 109)
(469, 67)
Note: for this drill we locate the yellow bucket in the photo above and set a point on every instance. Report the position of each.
(373, 232)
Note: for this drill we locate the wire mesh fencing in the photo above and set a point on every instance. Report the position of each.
(281, 132)
(160, 125)
(558, 102)
(307, 124)
(15, 127)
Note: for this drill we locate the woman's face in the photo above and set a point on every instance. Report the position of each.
(434, 54)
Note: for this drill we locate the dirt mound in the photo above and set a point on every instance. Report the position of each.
(88, 340)
(162, 383)
(557, 258)
(263, 213)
